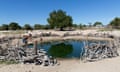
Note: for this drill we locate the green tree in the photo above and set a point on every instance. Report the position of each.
(38, 26)
(81, 26)
(46, 26)
(27, 27)
(75, 25)
(59, 19)
(90, 24)
(97, 23)
(84, 25)
(0, 27)
(14, 26)
(115, 22)
(4, 27)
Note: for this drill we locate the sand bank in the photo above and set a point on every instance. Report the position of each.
(71, 65)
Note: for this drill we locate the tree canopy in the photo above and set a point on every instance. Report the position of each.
(27, 27)
(38, 26)
(4, 27)
(59, 19)
(97, 23)
(14, 26)
(115, 22)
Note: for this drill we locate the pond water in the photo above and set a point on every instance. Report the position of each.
(74, 49)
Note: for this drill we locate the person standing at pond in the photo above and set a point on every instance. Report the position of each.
(41, 39)
(26, 37)
(25, 40)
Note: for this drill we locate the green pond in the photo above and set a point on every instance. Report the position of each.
(64, 49)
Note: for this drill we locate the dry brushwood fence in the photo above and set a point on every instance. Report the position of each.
(91, 52)
(22, 55)
(26, 55)
(98, 51)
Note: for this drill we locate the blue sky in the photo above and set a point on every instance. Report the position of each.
(37, 11)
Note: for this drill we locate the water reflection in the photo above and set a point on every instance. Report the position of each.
(60, 50)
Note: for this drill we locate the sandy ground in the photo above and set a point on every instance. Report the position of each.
(72, 65)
